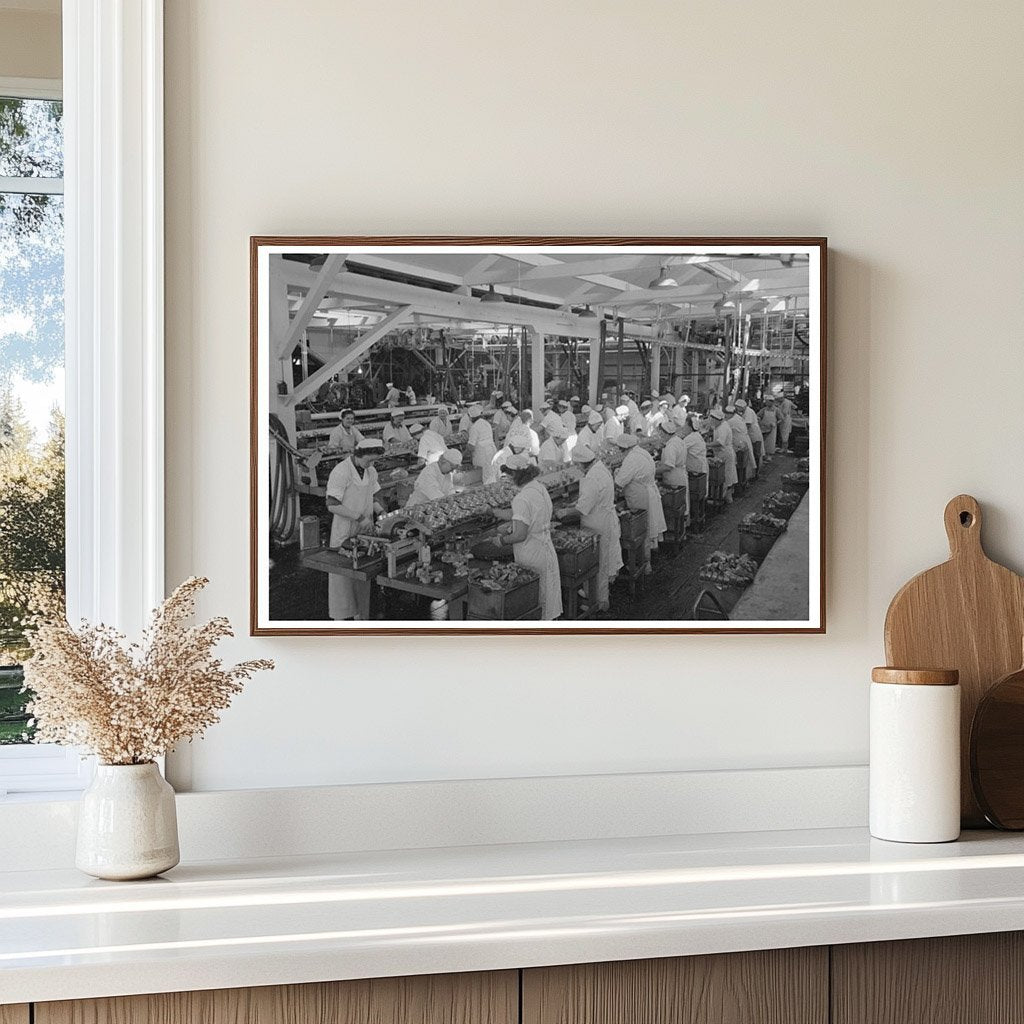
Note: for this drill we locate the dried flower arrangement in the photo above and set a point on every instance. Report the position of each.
(128, 704)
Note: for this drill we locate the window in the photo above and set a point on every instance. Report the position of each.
(31, 410)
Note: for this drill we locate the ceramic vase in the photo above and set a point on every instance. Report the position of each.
(127, 825)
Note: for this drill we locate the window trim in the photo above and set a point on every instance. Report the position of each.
(112, 91)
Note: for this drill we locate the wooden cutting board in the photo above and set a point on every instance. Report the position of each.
(967, 614)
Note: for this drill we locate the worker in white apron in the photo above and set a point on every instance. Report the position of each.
(350, 499)
(596, 506)
(637, 476)
(481, 440)
(530, 533)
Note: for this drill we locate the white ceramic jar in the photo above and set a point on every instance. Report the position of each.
(915, 755)
(127, 823)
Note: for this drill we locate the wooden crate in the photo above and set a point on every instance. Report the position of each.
(572, 564)
(756, 544)
(633, 524)
(673, 498)
(502, 604)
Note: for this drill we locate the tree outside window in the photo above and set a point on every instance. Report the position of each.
(31, 385)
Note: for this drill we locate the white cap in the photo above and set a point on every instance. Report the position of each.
(476, 410)
(717, 414)
(390, 384)
(622, 410)
(517, 462)
(416, 428)
(369, 445)
(583, 453)
(595, 419)
(395, 413)
(452, 455)
(626, 440)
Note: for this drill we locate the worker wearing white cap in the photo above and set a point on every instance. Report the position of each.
(464, 421)
(592, 434)
(517, 446)
(595, 506)
(481, 441)
(435, 479)
(769, 427)
(753, 432)
(615, 420)
(432, 444)
(350, 500)
(441, 422)
(396, 432)
(550, 419)
(552, 450)
(784, 412)
(393, 397)
(672, 464)
(722, 437)
(345, 435)
(568, 418)
(529, 532)
(638, 478)
(501, 421)
(745, 458)
(522, 432)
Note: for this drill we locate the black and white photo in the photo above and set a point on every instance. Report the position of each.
(565, 435)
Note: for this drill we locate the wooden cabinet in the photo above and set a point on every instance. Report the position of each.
(778, 986)
(967, 979)
(962, 979)
(491, 998)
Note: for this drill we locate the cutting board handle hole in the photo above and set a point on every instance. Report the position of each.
(966, 519)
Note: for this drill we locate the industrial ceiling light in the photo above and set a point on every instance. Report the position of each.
(663, 280)
(491, 295)
(587, 313)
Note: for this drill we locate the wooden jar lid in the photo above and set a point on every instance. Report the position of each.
(916, 676)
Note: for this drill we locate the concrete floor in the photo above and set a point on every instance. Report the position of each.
(673, 587)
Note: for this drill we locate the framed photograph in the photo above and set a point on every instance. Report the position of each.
(537, 435)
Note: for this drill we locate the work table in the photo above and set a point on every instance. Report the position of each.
(226, 924)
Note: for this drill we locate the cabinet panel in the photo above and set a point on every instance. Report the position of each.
(481, 998)
(962, 979)
(778, 986)
(14, 1014)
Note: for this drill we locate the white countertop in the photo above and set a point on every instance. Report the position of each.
(351, 915)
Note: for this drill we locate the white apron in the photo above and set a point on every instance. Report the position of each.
(723, 436)
(596, 504)
(636, 477)
(673, 456)
(356, 495)
(481, 438)
(532, 507)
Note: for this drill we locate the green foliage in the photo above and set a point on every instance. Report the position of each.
(31, 524)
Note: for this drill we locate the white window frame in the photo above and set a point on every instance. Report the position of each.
(114, 323)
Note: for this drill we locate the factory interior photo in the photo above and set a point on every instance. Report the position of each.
(459, 436)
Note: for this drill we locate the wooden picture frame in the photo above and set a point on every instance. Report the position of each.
(409, 269)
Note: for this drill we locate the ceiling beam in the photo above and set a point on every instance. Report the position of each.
(348, 356)
(310, 304)
(772, 282)
(452, 306)
(577, 268)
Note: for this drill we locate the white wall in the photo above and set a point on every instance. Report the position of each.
(895, 129)
(30, 41)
